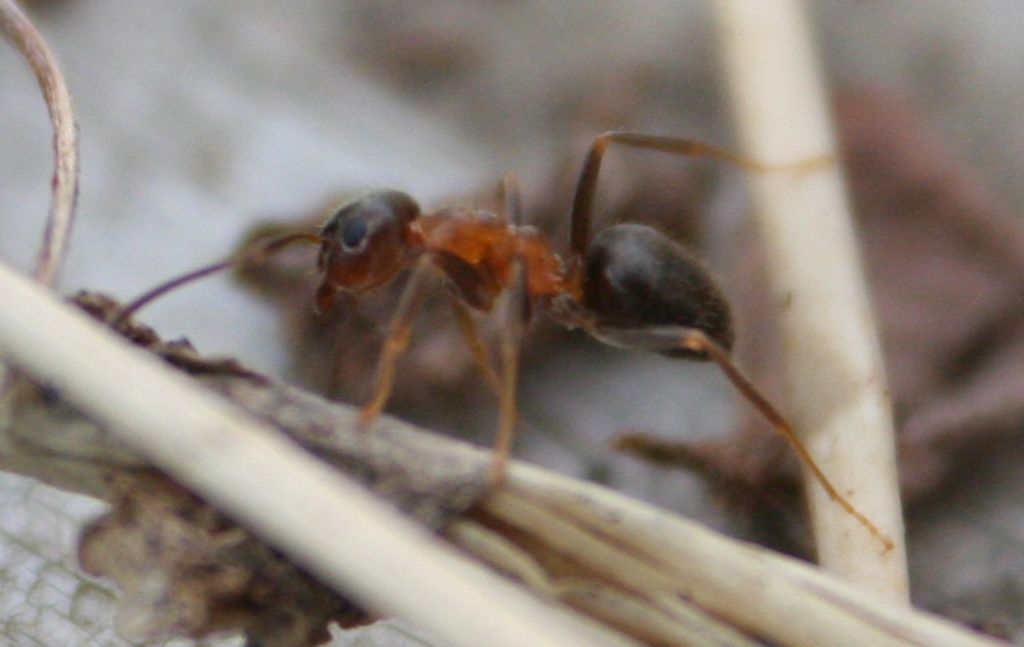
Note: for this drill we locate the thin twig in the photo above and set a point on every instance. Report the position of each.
(838, 399)
(22, 34)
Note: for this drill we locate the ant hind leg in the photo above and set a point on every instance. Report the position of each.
(586, 184)
(662, 338)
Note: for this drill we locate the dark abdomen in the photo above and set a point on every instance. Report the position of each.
(636, 277)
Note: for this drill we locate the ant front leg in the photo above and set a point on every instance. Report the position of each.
(396, 341)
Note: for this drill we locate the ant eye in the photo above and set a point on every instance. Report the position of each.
(354, 233)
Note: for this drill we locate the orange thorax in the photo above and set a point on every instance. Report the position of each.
(483, 240)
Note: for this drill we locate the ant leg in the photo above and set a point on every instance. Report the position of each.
(396, 342)
(515, 313)
(476, 343)
(586, 185)
(512, 199)
(512, 212)
(660, 338)
(256, 255)
(339, 340)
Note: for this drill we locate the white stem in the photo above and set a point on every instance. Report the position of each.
(834, 370)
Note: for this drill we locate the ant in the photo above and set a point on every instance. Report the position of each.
(628, 285)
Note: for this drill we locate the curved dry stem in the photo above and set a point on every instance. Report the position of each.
(21, 33)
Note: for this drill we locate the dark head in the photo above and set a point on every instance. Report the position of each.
(365, 243)
(636, 278)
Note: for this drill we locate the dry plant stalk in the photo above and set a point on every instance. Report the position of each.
(21, 33)
(834, 369)
(633, 569)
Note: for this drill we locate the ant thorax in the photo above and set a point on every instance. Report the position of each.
(475, 241)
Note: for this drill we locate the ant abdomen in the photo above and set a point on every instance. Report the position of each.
(637, 278)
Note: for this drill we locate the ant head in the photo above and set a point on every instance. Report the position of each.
(365, 242)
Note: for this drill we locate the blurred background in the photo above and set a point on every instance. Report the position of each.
(200, 121)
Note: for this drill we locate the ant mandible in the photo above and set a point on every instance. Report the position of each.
(629, 285)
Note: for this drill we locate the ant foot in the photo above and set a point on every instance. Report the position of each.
(367, 417)
(499, 470)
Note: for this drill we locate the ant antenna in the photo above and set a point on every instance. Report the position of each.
(256, 255)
